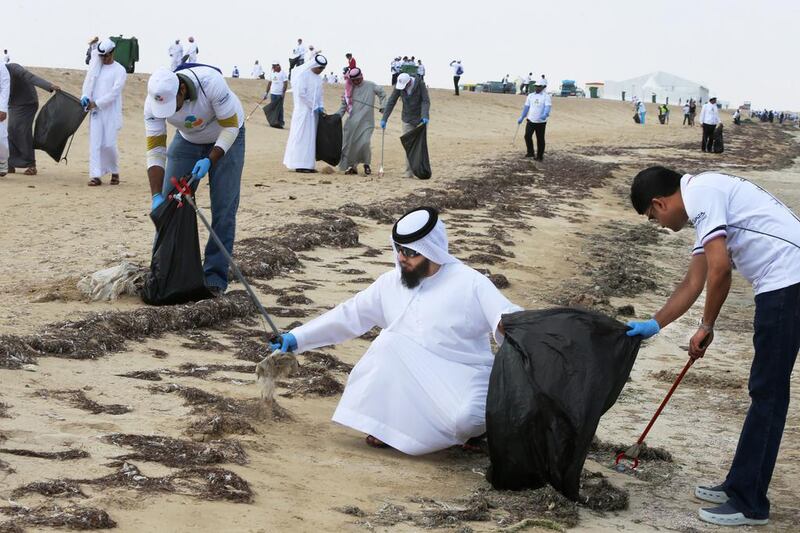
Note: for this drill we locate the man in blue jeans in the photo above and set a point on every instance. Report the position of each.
(210, 140)
(739, 226)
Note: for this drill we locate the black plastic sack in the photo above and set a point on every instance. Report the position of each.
(415, 143)
(58, 120)
(272, 111)
(555, 375)
(176, 269)
(329, 139)
(636, 118)
(718, 145)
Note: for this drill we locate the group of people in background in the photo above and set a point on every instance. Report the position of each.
(409, 65)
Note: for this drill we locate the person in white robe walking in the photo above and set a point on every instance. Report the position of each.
(422, 384)
(190, 52)
(5, 93)
(103, 100)
(175, 54)
(301, 146)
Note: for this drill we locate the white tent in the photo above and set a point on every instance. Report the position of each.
(660, 87)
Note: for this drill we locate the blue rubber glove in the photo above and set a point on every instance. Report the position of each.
(319, 110)
(201, 168)
(425, 120)
(383, 124)
(520, 119)
(84, 101)
(646, 328)
(157, 201)
(285, 343)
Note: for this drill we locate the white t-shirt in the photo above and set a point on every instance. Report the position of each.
(709, 114)
(762, 234)
(278, 80)
(536, 103)
(421, 69)
(456, 67)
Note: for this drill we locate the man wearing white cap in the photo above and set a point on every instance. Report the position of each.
(709, 118)
(276, 88)
(416, 106)
(175, 54)
(421, 386)
(210, 140)
(102, 97)
(536, 110)
(190, 52)
(301, 148)
(5, 93)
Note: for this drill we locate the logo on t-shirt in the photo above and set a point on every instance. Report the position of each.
(192, 121)
(701, 216)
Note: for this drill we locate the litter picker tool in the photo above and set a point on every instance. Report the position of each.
(383, 136)
(514, 139)
(633, 452)
(254, 109)
(185, 193)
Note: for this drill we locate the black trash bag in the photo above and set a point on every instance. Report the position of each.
(272, 111)
(555, 375)
(329, 139)
(718, 145)
(58, 120)
(415, 143)
(176, 269)
(636, 118)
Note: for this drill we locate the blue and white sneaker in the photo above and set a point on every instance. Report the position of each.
(711, 494)
(727, 515)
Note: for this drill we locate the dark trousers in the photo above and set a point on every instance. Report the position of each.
(394, 78)
(530, 128)
(686, 119)
(708, 137)
(776, 341)
(455, 83)
(279, 105)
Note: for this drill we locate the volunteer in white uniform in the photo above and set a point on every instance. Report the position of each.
(276, 88)
(709, 118)
(175, 54)
(422, 385)
(210, 140)
(301, 147)
(103, 100)
(536, 110)
(190, 52)
(739, 226)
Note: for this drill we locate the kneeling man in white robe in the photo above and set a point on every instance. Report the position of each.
(421, 387)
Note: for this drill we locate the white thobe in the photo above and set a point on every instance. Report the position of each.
(257, 71)
(91, 72)
(191, 51)
(422, 384)
(106, 120)
(301, 148)
(5, 93)
(175, 55)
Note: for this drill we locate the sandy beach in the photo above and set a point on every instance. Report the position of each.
(159, 417)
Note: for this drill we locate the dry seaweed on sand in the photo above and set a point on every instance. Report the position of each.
(52, 515)
(146, 375)
(199, 340)
(201, 371)
(484, 259)
(79, 400)
(4, 410)
(322, 384)
(67, 455)
(205, 403)
(62, 488)
(101, 333)
(604, 452)
(219, 425)
(294, 299)
(176, 452)
(598, 494)
(372, 334)
(288, 312)
(322, 360)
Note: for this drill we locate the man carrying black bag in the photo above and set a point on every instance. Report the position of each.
(416, 106)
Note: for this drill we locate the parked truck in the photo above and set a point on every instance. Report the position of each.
(570, 88)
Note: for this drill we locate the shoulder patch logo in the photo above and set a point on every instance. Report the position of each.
(701, 216)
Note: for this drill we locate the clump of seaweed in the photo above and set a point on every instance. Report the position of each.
(176, 452)
(78, 399)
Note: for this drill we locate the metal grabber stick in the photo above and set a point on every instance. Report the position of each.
(383, 136)
(514, 139)
(254, 109)
(185, 193)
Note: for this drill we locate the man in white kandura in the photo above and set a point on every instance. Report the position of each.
(175, 54)
(301, 148)
(102, 97)
(258, 71)
(190, 52)
(421, 387)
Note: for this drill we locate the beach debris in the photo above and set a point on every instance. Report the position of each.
(52, 515)
(111, 283)
(62, 488)
(67, 455)
(276, 365)
(177, 453)
(79, 400)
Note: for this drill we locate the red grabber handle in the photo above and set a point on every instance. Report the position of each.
(182, 187)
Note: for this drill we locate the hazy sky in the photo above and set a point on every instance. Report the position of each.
(741, 50)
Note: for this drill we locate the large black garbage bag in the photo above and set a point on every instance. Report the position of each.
(415, 143)
(272, 111)
(176, 269)
(329, 139)
(57, 121)
(718, 145)
(556, 373)
(636, 118)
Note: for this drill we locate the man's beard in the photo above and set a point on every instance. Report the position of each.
(412, 278)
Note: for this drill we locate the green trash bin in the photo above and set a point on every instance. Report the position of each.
(592, 92)
(126, 52)
(409, 69)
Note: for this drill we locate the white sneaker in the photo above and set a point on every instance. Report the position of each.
(711, 494)
(727, 515)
